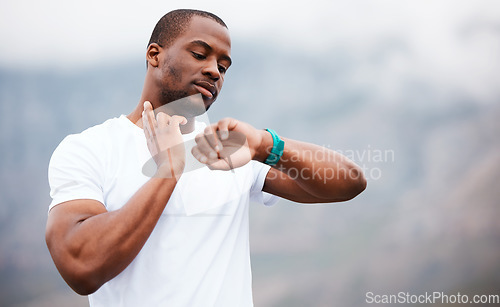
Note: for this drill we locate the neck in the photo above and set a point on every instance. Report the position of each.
(136, 118)
(150, 93)
(189, 126)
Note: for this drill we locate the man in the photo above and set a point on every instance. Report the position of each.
(177, 237)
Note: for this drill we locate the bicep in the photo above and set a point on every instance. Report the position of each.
(63, 220)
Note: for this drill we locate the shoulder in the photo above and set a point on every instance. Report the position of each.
(97, 134)
(101, 131)
(92, 140)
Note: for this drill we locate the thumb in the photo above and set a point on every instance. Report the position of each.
(147, 106)
(177, 120)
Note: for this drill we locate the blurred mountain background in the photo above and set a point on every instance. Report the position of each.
(421, 119)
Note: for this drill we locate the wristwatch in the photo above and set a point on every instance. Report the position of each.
(277, 150)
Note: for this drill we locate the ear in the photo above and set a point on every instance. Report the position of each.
(152, 54)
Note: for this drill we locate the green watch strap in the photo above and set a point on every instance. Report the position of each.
(277, 150)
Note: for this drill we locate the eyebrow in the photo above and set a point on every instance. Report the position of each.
(209, 48)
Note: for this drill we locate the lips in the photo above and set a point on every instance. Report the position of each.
(206, 88)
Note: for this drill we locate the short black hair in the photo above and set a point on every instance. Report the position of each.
(174, 23)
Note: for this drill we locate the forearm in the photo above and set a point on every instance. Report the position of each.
(321, 172)
(304, 173)
(100, 246)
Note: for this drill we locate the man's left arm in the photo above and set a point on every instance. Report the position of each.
(305, 172)
(309, 173)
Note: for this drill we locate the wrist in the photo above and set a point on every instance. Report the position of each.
(266, 145)
(169, 168)
(277, 150)
(167, 172)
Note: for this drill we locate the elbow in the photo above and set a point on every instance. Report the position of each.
(84, 285)
(85, 289)
(355, 185)
(81, 277)
(83, 282)
(358, 183)
(359, 186)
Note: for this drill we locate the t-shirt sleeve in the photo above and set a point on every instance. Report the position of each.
(256, 194)
(75, 171)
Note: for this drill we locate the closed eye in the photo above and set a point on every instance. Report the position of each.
(198, 56)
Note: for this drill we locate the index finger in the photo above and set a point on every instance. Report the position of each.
(210, 134)
(149, 121)
(224, 125)
(162, 119)
(149, 125)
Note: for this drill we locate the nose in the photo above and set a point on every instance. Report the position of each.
(211, 70)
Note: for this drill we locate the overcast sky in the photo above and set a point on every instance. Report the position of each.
(453, 41)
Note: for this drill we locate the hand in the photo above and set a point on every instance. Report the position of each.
(164, 140)
(227, 144)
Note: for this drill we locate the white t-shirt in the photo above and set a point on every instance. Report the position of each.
(198, 254)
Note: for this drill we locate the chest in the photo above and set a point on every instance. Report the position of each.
(199, 190)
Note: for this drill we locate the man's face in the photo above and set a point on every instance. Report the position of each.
(195, 63)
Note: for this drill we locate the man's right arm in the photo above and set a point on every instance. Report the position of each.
(90, 245)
